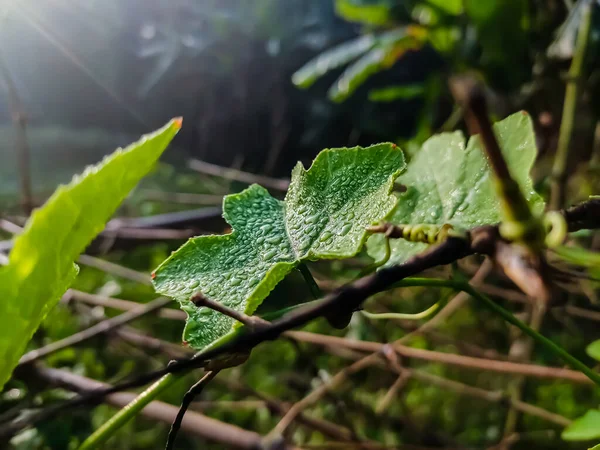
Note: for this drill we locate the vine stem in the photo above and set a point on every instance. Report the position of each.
(559, 169)
(109, 428)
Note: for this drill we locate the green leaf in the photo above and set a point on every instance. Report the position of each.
(390, 47)
(448, 183)
(594, 350)
(399, 92)
(580, 256)
(596, 447)
(377, 14)
(331, 59)
(41, 266)
(324, 215)
(584, 428)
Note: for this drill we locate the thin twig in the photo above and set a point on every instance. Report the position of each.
(467, 362)
(238, 175)
(100, 328)
(115, 269)
(194, 423)
(188, 398)
(184, 198)
(121, 305)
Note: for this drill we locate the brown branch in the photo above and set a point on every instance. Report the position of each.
(100, 328)
(115, 269)
(467, 362)
(194, 423)
(238, 175)
(122, 305)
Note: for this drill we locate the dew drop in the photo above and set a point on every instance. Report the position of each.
(325, 236)
(269, 255)
(345, 230)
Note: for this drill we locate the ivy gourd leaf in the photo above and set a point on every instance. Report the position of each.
(448, 182)
(594, 350)
(324, 215)
(41, 264)
(584, 428)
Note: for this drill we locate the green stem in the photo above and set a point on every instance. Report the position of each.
(507, 316)
(109, 428)
(559, 170)
(315, 290)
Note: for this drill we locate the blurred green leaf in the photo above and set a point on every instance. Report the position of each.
(331, 59)
(324, 215)
(579, 256)
(450, 183)
(370, 13)
(41, 266)
(584, 428)
(400, 92)
(390, 47)
(594, 350)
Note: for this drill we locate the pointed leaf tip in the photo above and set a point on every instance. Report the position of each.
(178, 122)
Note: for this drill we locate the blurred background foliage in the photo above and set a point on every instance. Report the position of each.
(262, 84)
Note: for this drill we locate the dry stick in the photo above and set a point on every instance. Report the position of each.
(100, 328)
(464, 389)
(361, 364)
(325, 427)
(194, 423)
(115, 269)
(184, 198)
(561, 159)
(467, 362)
(583, 313)
(141, 340)
(461, 388)
(238, 175)
(22, 147)
(189, 396)
(123, 305)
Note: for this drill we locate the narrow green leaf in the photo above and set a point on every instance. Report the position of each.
(41, 264)
(579, 256)
(390, 47)
(331, 59)
(324, 215)
(594, 350)
(584, 428)
(399, 92)
(377, 14)
(447, 182)
(596, 447)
